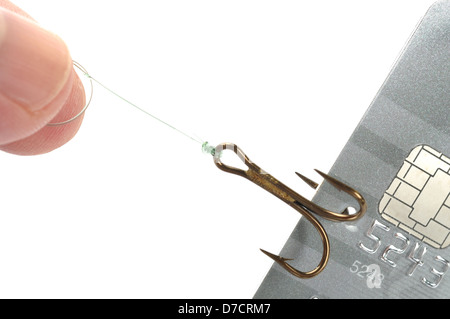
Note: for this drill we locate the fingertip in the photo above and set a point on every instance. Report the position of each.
(35, 78)
(49, 138)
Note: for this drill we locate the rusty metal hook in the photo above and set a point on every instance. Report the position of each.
(295, 200)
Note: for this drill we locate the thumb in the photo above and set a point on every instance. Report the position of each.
(35, 76)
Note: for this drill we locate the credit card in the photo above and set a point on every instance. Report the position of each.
(398, 158)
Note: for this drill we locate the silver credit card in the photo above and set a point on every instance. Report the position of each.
(399, 159)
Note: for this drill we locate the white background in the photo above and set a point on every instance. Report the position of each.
(130, 208)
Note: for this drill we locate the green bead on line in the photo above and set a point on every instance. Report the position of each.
(208, 149)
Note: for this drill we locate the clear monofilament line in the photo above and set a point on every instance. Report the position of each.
(142, 110)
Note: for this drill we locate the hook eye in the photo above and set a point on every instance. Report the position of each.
(227, 168)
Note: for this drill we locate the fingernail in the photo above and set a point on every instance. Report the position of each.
(34, 63)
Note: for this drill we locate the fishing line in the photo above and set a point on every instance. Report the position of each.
(205, 145)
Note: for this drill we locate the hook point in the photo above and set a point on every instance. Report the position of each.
(321, 173)
(307, 180)
(276, 258)
(330, 180)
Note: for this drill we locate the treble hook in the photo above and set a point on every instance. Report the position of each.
(296, 201)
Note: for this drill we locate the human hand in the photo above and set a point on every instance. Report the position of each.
(38, 85)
